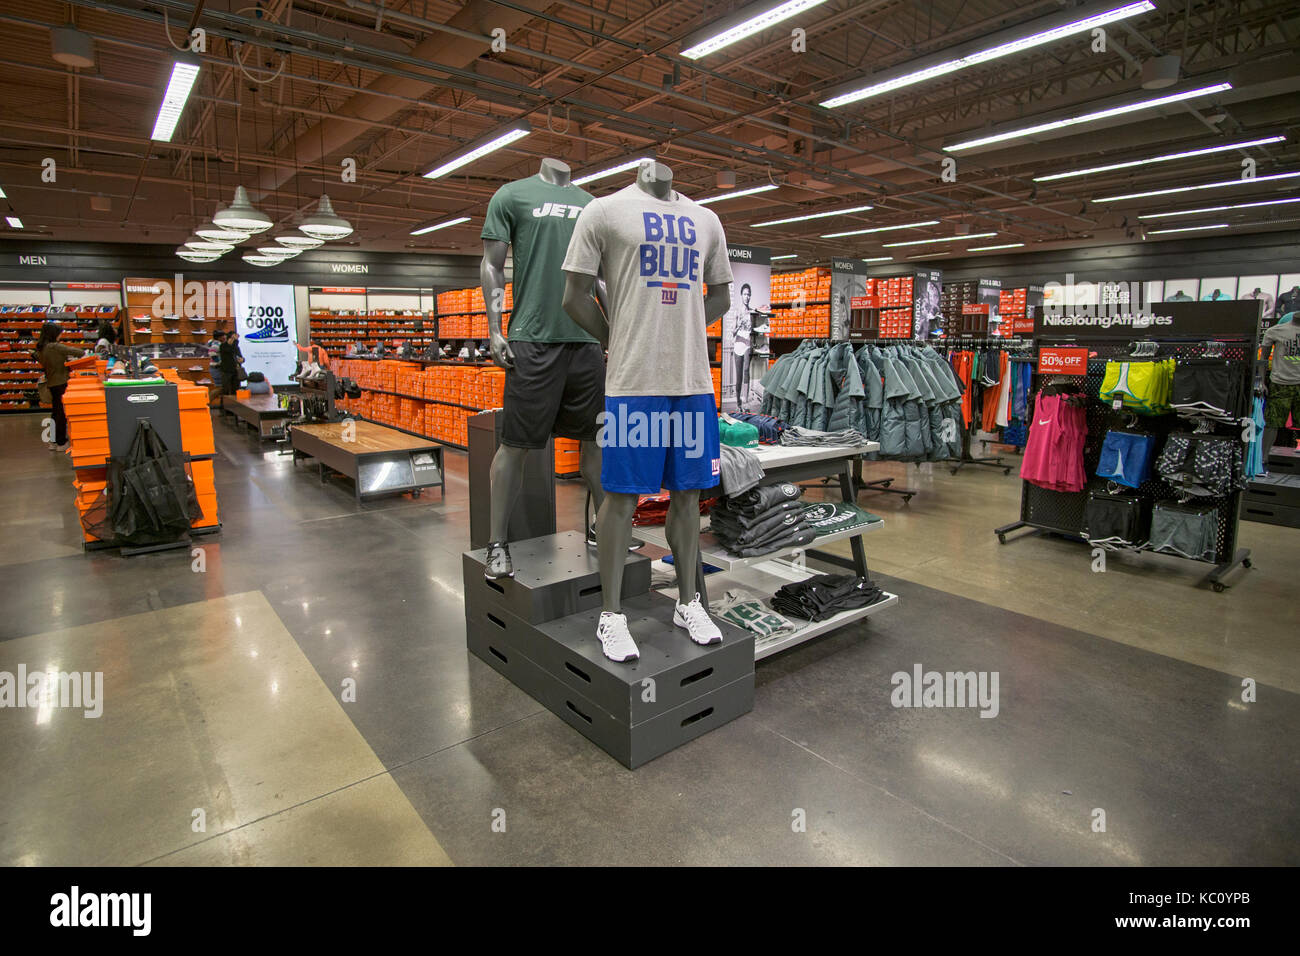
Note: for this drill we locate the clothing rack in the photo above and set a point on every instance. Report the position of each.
(1187, 330)
(1006, 344)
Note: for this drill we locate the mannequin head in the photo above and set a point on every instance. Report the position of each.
(555, 171)
(656, 179)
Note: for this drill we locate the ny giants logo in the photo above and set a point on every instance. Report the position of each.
(668, 297)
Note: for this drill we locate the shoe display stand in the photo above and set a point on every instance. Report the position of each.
(765, 573)
(262, 413)
(538, 629)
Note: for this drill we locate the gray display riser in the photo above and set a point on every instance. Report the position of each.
(630, 744)
(555, 575)
(1285, 461)
(1270, 513)
(1283, 490)
(569, 651)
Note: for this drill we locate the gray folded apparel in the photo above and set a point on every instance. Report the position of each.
(797, 435)
(796, 539)
(740, 470)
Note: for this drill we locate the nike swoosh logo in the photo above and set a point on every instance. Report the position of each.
(1046, 421)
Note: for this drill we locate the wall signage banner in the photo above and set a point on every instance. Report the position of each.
(751, 291)
(1173, 319)
(267, 322)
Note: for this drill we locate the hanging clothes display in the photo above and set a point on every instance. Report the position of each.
(897, 395)
(1054, 454)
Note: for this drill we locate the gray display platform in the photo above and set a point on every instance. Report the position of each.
(635, 711)
(555, 575)
(1273, 499)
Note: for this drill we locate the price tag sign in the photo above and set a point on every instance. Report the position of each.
(1062, 361)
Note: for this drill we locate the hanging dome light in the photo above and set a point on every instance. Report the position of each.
(324, 223)
(208, 245)
(241, 215)
(218, 234)
(296, 240)
(195, 255)
(277, 252)
(256, 260)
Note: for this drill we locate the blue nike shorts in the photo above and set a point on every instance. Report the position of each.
(1126, 458)
(649, 443)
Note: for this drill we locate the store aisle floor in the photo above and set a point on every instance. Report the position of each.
(1101, 706)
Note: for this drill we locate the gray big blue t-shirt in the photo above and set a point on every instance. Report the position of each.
(1285, 339)
(655, 255)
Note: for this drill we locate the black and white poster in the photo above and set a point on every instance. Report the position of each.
(926, 290)
(848, 281)
(745, 348)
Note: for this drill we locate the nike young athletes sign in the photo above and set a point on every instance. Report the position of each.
(267, 323)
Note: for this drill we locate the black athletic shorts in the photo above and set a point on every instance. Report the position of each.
(1206, 386)
(554, 389)
(1118, 520)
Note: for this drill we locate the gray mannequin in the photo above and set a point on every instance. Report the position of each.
(509, 461)
(614, 519)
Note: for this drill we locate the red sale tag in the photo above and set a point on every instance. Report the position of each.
(1063, 362)
(863, 302)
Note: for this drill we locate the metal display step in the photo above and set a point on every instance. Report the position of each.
(1273, 499)
(630, 744)
(555, 575)
(671, 670)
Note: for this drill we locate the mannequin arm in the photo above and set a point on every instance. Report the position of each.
(492, 277)
(583, 308)
(717, 301)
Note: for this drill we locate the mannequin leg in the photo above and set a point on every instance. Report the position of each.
(589, 466)
(682, 528)
(1270, 438)
(613, 532)
(507, 483)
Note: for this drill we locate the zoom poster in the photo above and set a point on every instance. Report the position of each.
(267, 323)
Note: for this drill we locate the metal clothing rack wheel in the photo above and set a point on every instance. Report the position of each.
(968, 459)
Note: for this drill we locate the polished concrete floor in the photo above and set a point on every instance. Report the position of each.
(300, 693)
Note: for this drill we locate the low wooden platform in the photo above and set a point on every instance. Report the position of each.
(378, 459)
(261, 412)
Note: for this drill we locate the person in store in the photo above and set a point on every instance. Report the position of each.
(53, 356)
(231, 362)
(107, 330)
(214, 356)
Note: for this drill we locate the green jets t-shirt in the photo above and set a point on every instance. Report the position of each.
(537, 219)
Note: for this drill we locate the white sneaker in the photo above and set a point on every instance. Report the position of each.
(615, 639)
(696, 620)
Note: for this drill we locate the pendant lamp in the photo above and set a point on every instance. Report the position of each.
(324, 223)
(241, 215)
(208, 245)
(296, 240)
(195, 255)
(218, 234)
(256, 260)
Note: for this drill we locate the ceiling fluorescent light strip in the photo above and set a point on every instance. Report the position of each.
(880, 259)
(1161, 232)
(184, 75)
(863, 232)
(750, 24)
(1005, 245)
(1197, 212)
(930, 255)
(812, 215)
(736, 194)
(788, 255)
(479, 149)
(1167, 157)
(14, 222)
(919, 242)
(440, 225)
(612, 170)
(2, 193)
(1222, 184)
(1018, 44)
(1089, 117)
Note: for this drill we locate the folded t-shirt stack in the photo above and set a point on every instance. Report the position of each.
(762, 520)
(825, 595)
(795, 435)
(769, 428)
